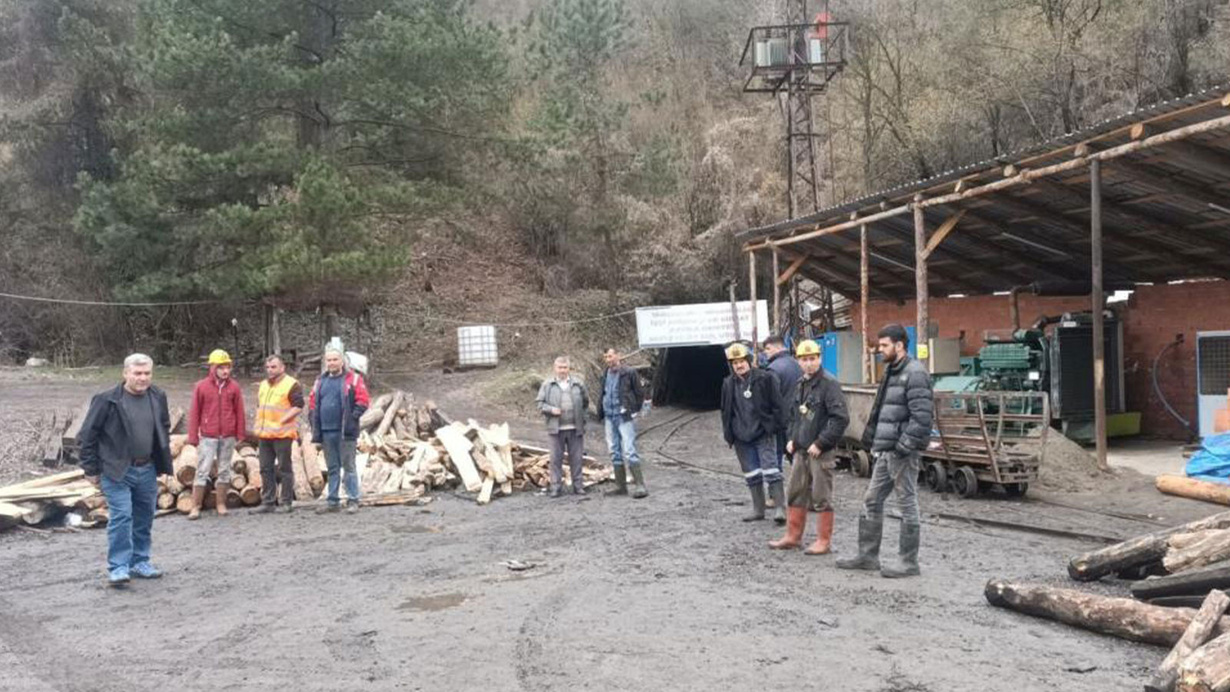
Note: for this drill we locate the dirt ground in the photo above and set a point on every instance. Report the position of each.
(672, 591)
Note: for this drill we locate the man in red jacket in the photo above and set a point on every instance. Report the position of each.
(215, 423)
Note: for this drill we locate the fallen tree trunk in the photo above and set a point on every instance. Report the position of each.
(1208, 668)
(1190, 550)
(1141, 550)
(1196, 634)
(183, 503)
(1194, 488)
(1197, 581)
(1119, 617)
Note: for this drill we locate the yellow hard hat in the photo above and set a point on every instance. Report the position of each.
(807, 347)
(737, 351)
(219, 357)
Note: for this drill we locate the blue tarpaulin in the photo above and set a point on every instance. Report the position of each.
(1212, 462)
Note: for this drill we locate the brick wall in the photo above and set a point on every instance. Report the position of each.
(1152, 318)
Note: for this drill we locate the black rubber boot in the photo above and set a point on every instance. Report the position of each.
(908, 565)
(638, 478)
(621, 481)
(555, 491)
(869, 534)
(778, 493)
(757, 502)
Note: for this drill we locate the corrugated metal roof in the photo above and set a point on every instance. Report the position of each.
(1160, 216)
(951, 176)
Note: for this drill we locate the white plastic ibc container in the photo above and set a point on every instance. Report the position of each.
(476, 347)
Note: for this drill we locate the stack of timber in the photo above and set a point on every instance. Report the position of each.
(407, 451)
(1181, 604)
(35, 501)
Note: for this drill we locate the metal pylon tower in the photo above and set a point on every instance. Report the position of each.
(796, 62)
(803, 180)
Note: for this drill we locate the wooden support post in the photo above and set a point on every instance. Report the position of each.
(777, 295)
(920, 278)
(864, 293)
(734, 310)
(1097, 305)
(751, 282)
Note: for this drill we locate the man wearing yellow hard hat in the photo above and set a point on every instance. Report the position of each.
(818, 416)
(751, 417)
(215, 424)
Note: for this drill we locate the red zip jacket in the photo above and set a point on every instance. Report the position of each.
(217, 410)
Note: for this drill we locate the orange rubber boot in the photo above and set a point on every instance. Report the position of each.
(795, 518)
(824, 534)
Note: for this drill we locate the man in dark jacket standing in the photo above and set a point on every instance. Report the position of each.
(898, 430)
(338, 400)
(818, 417)
(622, 399)
(216, 424)
(788, 373)
(563, 401)
(751, 417)
(125, 446)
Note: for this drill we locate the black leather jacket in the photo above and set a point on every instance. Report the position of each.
(104, 435)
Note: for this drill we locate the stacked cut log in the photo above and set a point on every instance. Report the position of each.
(405, 452)
(1192, 564)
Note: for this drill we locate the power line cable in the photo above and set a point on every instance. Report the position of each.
(103, 303)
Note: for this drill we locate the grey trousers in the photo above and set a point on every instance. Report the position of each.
(284, 472)
(893, 472)
(572, 442)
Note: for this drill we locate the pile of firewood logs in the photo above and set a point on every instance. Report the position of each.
(408, 451)
(404, 452)
(1178, 577)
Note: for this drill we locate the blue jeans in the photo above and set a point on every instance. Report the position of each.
(339, 457)
(759, 461)
(621, 440)
(131, 502)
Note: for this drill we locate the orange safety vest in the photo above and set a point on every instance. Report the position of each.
(274, 404)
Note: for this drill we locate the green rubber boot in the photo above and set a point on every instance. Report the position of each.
(638, 479)
(908, 548)
(869, 534)
(621, 481)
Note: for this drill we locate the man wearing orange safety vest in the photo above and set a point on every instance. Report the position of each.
(280, 401)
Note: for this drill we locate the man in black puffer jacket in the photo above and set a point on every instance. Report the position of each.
(898, 430)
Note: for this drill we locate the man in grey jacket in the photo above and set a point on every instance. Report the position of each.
(898, 430)
(563, 400)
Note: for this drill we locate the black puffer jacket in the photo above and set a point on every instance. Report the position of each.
(817, 412)
(901, 416)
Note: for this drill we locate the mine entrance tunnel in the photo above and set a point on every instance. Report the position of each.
(691, 376)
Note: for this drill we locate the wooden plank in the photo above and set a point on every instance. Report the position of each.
(458, 447)
(1097, 305)
(47, 481)
(793, 269)
(942, 232)
(484, 496)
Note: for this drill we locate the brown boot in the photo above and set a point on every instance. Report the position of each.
(796, 517)
(198, 499)
(220, 491)
(824, 534)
